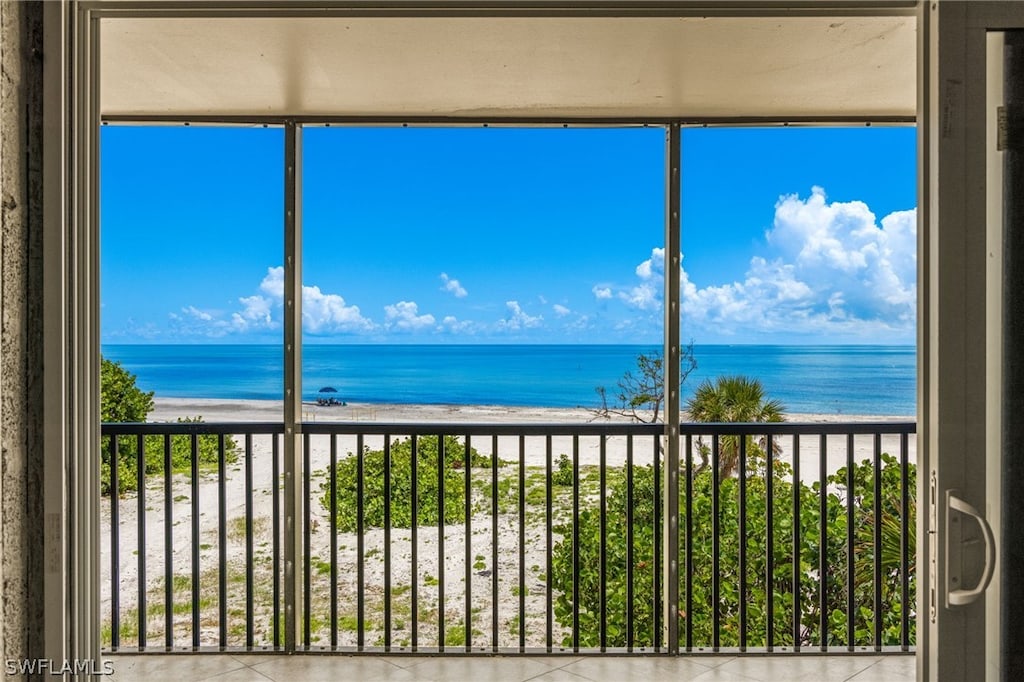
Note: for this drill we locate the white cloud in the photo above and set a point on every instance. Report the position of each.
(328, 313)
(453, 286)
(321, 312)
(255, 313)
(519, 319)
(649, 292)
(196, 313)
(602, 292)
(833, 270)
(404, 316)
(454, 325)
(560, 310)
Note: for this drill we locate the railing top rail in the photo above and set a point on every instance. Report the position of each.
(188, 428)
(798, 428)
(517, 429)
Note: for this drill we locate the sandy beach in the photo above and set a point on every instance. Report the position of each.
(488, 560)
(212, 410)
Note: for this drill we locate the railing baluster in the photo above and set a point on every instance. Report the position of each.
(333, 525)
(275, 502)
(360, 548)
(249, 578)
(716, 547)
(549, 624)
(629, 544)
(494, 543)
(905, 549)
(603, 558)
(878, 542)
(575, 542)
(307, 544)
(656, 563)
(222, 542)
(115, 547)
(414, 593)
(823, 542)
(168, 547)
(688, 545)
(440, 542)
(387, 543)
(467, 466)
(742, 544)
(522, 543)
(797, 543)
(140, 447)
(769, 476)
(194, 453)
(851, 606)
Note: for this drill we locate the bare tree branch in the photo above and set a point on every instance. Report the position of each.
(640, 393)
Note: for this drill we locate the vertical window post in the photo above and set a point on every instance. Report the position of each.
(671, 369)
(293, 473)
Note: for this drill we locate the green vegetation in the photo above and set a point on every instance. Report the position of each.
(734, 399)
(647, 522)
(121, 400)
(453, 479)
(739, 399)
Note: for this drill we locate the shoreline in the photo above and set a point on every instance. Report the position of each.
(247, 410)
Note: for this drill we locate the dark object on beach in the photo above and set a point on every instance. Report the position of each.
(328, 401)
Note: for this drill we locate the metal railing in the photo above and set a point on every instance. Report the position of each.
(510, 538)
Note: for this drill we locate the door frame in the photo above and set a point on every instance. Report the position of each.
(71, 306)
(959, 321)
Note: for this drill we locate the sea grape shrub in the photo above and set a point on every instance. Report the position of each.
(207, 456)
(891, 549)
(452, 479)
(121, 400)
(563, 473)
(756, 592)
(587, 571)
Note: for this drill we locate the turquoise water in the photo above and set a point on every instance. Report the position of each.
(827, 379)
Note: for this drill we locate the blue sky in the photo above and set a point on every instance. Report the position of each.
(503, 235)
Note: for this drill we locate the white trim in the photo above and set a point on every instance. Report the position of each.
(55, 463)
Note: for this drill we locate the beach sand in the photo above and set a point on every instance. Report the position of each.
(486, 558)
(212, 410)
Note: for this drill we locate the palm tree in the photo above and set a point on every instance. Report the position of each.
(732, 399)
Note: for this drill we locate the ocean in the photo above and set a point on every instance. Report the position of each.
(878, 380)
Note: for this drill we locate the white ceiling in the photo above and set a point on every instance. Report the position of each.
(509, 67)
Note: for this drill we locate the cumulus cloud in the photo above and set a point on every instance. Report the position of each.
(560, 310)
(452, 286)
(192, 311)
(404, 316)
(321, 312)
(647, 294)
(255, 313)
(833, 268)
(454, 325)
(518, 318)
(602, 292)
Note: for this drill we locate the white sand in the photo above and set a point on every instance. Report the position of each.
(533, 453)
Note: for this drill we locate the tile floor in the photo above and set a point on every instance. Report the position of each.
(300, 668)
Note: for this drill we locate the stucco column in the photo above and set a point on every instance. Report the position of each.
(21, 525)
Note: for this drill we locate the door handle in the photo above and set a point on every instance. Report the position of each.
(956, 595)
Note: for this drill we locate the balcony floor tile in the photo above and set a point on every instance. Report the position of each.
(280, 668)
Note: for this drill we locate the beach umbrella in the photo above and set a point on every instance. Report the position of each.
(328, 389)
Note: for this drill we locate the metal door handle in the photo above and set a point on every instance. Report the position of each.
(960, 596)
